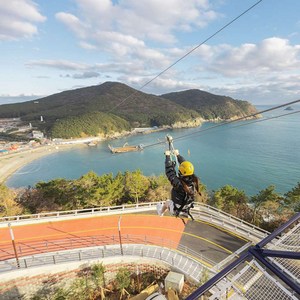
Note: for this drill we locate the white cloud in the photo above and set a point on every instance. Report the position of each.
(125, 29)
(86, 75)
(271, 89)
(160, 20)
(264, 93)
(270, 55)
(18, 19)
(90, 70)
(73, 23)
(141, 18)
(58, 64)
(167, 85)
(254, 72)
(87, 46)
(267, 71)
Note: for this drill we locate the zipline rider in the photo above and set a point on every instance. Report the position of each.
(185, 184)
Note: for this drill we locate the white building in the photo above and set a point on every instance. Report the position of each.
(37, 134)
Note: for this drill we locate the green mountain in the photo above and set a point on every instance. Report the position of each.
(211, 106)
(114, 106)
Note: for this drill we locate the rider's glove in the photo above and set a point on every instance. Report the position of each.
(169, 138)
(176, 152)
(167, 152)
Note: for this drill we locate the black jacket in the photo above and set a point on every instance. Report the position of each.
(179, 195)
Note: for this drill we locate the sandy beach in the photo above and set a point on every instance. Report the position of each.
(10, 163)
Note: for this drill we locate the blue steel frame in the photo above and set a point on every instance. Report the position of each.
(260, 254)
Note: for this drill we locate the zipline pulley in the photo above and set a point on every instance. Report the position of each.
(171, 149)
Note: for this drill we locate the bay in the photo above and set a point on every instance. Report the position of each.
(247, 156)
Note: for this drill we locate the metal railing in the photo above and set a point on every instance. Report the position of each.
(201, 211)
(80, 212)
(179, 256)
(217, 217)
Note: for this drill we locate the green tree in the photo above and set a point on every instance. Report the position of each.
(89, 124)
(274, 213)
(104, 190)
(8, 205)
(97, 275)
(92, 188)
(231, 200)
(136, 184)
(292, 198)
(260, 201)
(159, 188)
(30, 199)
(117, 189)
(81, 289)
(123, 281)
(56, 194)
(110, 190)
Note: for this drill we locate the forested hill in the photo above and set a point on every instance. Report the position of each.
(74, 107)
(84, 110)
(211, 106)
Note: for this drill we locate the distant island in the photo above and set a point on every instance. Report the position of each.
(112, 107)
(289, 108)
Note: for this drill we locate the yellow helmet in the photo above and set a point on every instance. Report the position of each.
(186, 168)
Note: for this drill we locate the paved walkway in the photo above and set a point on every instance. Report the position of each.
(212, 242)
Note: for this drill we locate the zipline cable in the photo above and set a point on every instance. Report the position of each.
(247, 117)
(266, 119)
(232, 121)
(256, 121)
(205, 131)
(185, 55)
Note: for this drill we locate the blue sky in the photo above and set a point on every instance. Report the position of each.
(48, 46)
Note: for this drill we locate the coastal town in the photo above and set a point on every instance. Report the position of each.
(21, 143)
(33, 138)
(27, 137)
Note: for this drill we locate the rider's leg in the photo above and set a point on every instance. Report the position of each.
(163, 207)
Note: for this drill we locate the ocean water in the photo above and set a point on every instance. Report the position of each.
(247, 156)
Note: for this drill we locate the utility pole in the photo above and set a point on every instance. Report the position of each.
(14, 244)
(120, 238)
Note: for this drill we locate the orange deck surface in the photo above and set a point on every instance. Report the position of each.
(86, 232)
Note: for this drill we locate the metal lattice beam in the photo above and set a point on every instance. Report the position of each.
(260, 254)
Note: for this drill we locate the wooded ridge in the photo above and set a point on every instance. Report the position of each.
(113, 106)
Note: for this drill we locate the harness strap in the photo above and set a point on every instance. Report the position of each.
(189, 193)
(190, 215)
(178, 210)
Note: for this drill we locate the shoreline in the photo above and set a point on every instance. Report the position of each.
(10, 163)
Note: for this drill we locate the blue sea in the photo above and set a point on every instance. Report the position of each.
(247, 156)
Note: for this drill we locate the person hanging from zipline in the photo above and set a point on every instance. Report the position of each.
(185, 184)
